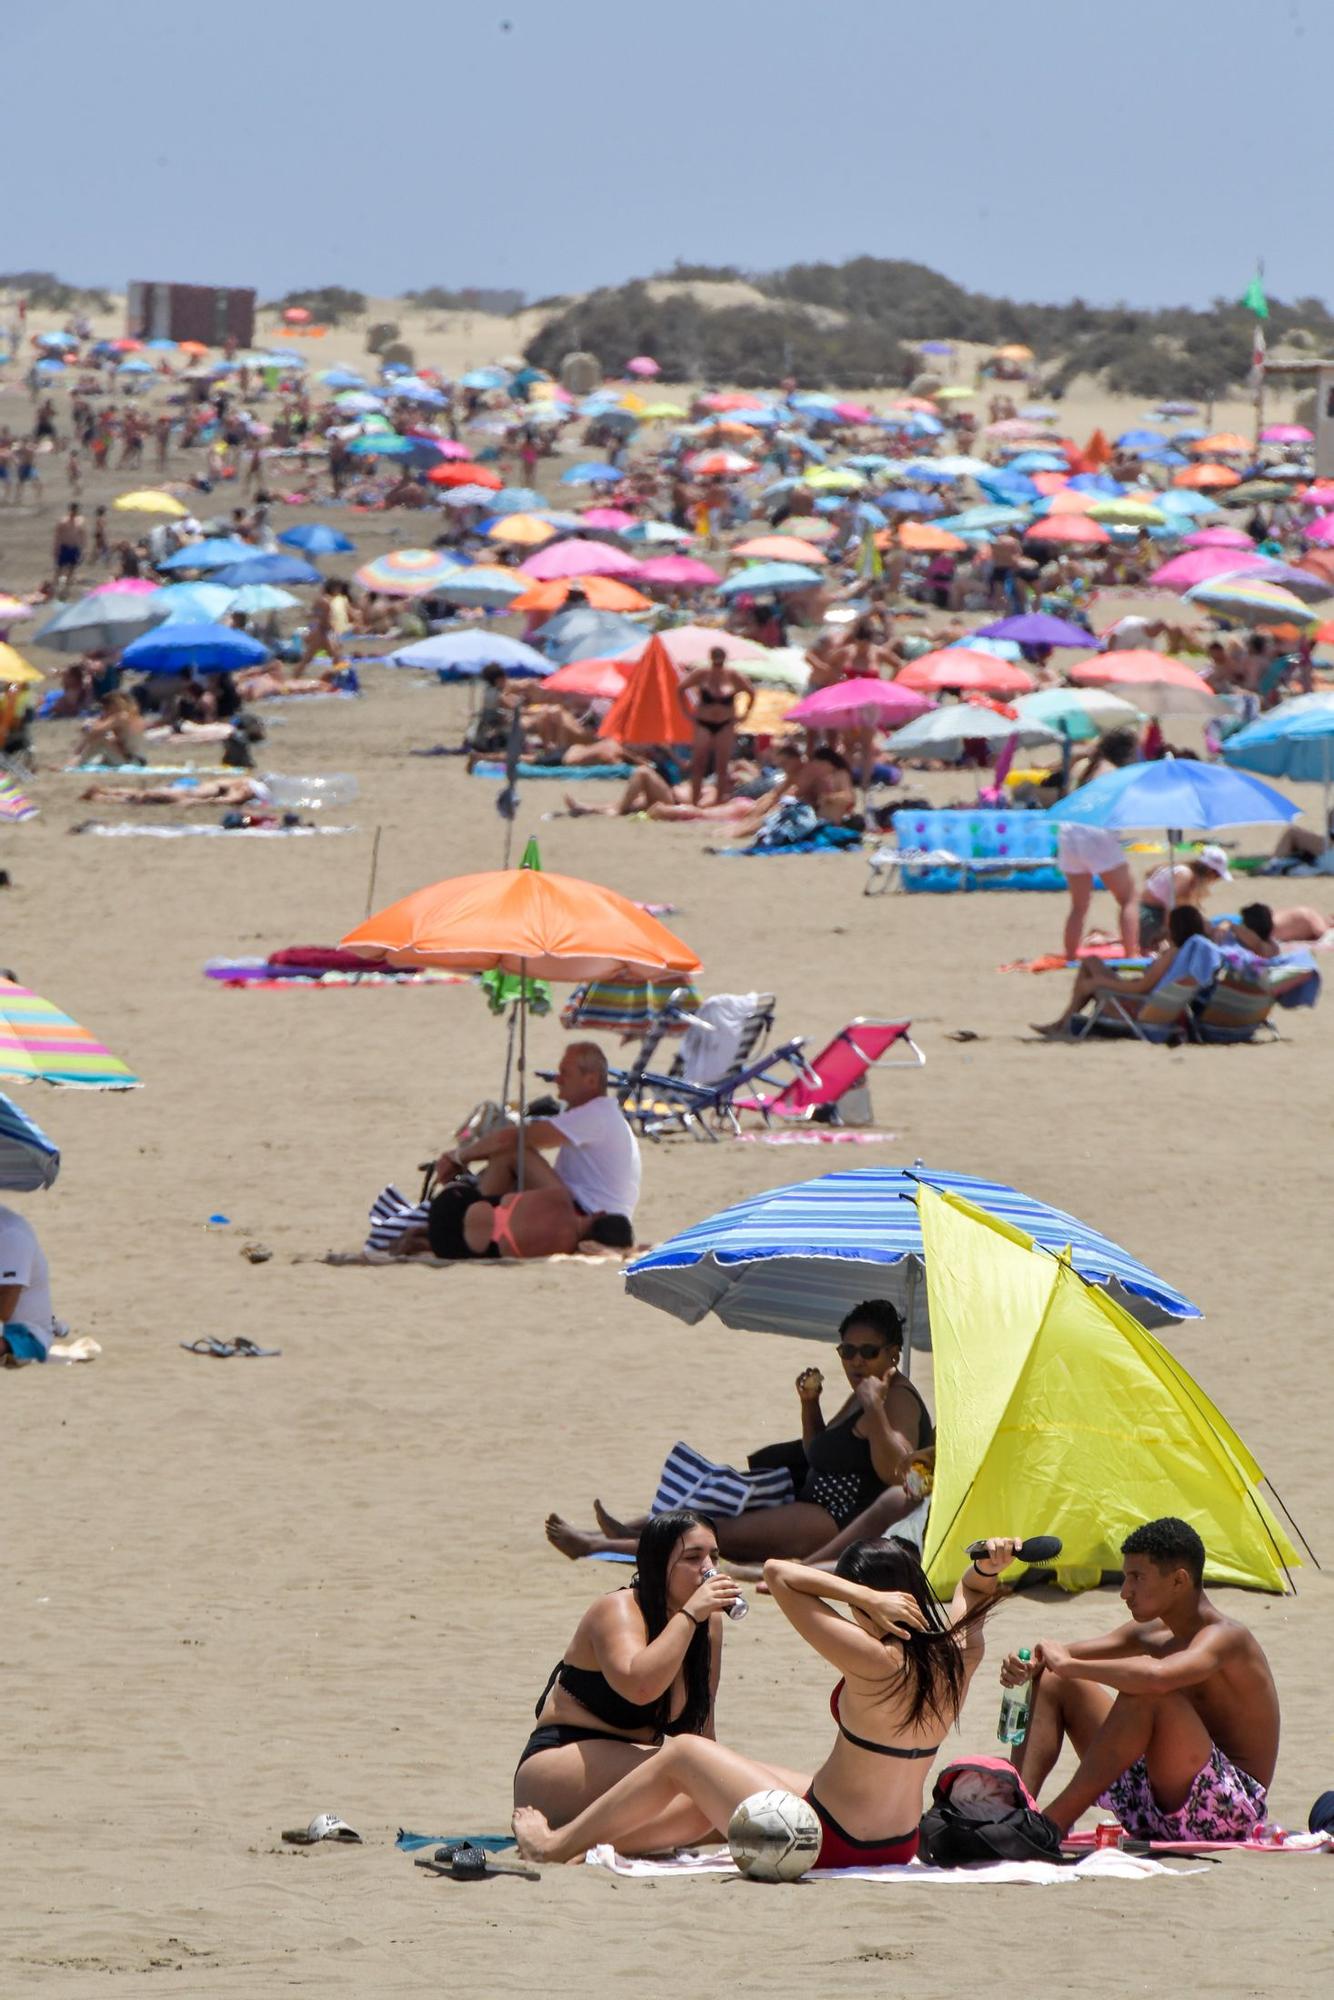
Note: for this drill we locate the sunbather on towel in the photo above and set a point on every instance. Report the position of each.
(1187, 933)
(1266, 931)
(1174, 1717)
(865, 1451)
(238, 791)
(541, 1222)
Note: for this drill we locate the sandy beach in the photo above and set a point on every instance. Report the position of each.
(245, 1592)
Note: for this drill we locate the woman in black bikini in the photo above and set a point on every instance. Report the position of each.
(716, 688)
(642, 1667)
(849, 1462)
(906, 1667)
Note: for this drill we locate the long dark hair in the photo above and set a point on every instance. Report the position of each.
(660, 1535)
(931, 1677)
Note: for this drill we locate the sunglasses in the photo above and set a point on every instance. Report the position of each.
(850, 1350)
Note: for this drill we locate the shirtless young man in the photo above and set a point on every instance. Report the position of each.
(1174, 1716)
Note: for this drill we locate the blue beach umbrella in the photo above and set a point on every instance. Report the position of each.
(216, 552)
(462, 655)
(28, 1159)
(591, 474)
(254, 599)
(1292, 741)
(795, 1259)
(207, 649)
(584, 634)
(257, 568)
(771, 576)
(516, 500)
(1175, 792)
(192, 603)
(315, 539)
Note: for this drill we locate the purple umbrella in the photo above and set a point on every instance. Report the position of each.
(1037, 628)
(578, 558)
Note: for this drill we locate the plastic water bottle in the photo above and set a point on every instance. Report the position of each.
(1014, 1708)
(309, 794)
(739, 1607)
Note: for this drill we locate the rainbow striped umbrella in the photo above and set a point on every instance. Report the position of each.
(37, 1040)
(14, 803)
(407, 572)
(1248, 603)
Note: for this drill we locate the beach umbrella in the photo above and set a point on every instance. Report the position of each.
(101, 624)
(15, 671)
(466, 496)
(778, 548)
(946, 732)
(178, 648)
(28, 1159)
(592, 473)
(1038, 628)
(796, 1258)
(38, 1041)
(724, 465)
(677, 572)
(1127, 513)
(951, 667)
(1219, 538)
(1067, 528)
(644, 366)
(1194, 566)
(615, 519)
(1174, 793)
(1156, 683)
(259, 568)
(582, 633)
(466, 472)
(215, 552)
(603, 593)
(149, 501)
(592, 680)
(577, 556)
(1207, 477)
(1079, 713)
(859, 703)
(313, 538)
(257, 599)
(462, 655)
(522, 531)
(783, 667)
(1251, 603)
(923, 538)
(690, 645)
(193, 603)
(407, 572)
(483, 587)
(1290, 742)
(767, 578)
(649, 708)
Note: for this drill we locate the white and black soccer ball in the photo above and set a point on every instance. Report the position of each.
(774, 1836)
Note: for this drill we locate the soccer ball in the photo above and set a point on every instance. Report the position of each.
(774, 1836)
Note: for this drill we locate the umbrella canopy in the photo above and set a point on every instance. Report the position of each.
(214, 553)
(179, 648)
(267, 569)
(582, 634)
(15, 671)
(1290, 742)
(1248, 603)
(1038, 628)
(649, 708)
(485, 585)
(522, 530)
(317, 540)
(779, 549)
(854, 704)
(690, 646)
(678, 572)
(959, 667)
(1219, 538)
(1079, 713)
(795, 1259)
(1155, 683)
(103, 623)
(946, 732)
(407, 572)
(1175, 792)
(578, 557)
(1198, 565)
(462, 655)
(193, 603)
(527, 922)
(591, 680)
(765, 578)
(151, 502)
(37, 1040)
(603, 593)
(28, 1159)
(1067, 528)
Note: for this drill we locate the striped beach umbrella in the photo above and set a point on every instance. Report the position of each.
(794, 1260)
(28, 1159)
(37, 1040)
(407, 572)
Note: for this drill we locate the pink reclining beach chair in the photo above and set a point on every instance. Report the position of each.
(841, 1066)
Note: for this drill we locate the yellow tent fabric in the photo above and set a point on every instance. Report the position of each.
(1057, 1413)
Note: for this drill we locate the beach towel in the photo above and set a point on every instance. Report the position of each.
(814, 1135)
(688, 1479)
(829, 840)
(130, 832)
(14, 803)
(265, 975)
(571, 773)
(391, 1214)
(153, 770)
(1103, 1864)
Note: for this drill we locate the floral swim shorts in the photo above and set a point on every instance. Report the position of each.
(1223, 1804)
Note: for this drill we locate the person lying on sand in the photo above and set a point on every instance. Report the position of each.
(1266, 931)
(1174, 1717)
(649, 793)
(906, 1664)
(540, 1222)
(643, 1666)
(259, 683)
(238, 791)
(864, 1452)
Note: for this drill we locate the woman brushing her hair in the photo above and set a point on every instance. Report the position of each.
(906, 1666)
(641, 1669)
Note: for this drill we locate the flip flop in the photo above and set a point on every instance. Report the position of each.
(324, 1826)
(252, 1353)
(222, 1350)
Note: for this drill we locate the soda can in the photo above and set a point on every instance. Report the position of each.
(1107, 1833)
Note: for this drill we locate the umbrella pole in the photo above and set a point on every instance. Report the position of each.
(523, 1069)
(509, 1059)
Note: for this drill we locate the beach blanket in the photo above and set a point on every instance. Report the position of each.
(151, 771)
(832, 840)
(130, 832)
(1110, 953)
(267, 975)
(815, 1135)
(572, 773)
(1104, 1864)
(14, 803)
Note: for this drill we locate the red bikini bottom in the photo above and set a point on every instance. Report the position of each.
(840, 1850)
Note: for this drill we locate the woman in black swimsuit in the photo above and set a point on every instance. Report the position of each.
(642, 1666)
(906, 1666)
(716, 688)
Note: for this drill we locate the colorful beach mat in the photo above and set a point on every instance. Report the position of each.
(37, 1040)
(14, 803)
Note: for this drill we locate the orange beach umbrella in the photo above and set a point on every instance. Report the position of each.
(602, 593)
(649, 708)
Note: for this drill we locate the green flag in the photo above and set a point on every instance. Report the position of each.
(502, 989)
(1253, 298)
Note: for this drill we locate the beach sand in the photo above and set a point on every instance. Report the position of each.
(244, 1592)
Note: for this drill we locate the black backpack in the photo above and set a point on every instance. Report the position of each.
(952, 1836)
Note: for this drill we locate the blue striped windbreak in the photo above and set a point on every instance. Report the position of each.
(795, 1259)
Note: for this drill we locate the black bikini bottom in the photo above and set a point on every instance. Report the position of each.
(555, 1736)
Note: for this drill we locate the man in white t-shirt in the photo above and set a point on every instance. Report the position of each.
(27, 1322)
(597, 1155)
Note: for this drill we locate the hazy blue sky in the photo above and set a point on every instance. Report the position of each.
(1144, 150)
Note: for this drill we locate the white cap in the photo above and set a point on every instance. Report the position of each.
(1214, 857)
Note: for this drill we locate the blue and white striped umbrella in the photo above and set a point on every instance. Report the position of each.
(28, 1159)
(796, 1259)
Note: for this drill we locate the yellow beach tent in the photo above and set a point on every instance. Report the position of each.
(1057, 1413)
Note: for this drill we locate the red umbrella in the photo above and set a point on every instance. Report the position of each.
(462, 472)
(961, 667)
(596, 680)
(1066, 528)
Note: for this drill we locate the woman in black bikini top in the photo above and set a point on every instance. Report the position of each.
(906, 1665)
(716, 689)
(643, 1665)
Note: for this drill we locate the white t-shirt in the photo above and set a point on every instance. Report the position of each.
(23, 1262)
(599, 1157)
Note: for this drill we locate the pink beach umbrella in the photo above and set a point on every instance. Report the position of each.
(681, 572)
(644, 366)
(856, 703)
(125, 586)
(1320, 494)
(690, 646)
(1199, 565)
(1287, 434)
(1321, 530)
(1218, 538)
(611, 518)
(577, 558)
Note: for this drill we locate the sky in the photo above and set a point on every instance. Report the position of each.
(1145, 151)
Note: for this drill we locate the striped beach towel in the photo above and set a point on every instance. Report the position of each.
(14, 803)
(391, 1213)
(690, 1480)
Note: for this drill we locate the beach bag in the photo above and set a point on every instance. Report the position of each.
(983, 1811)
